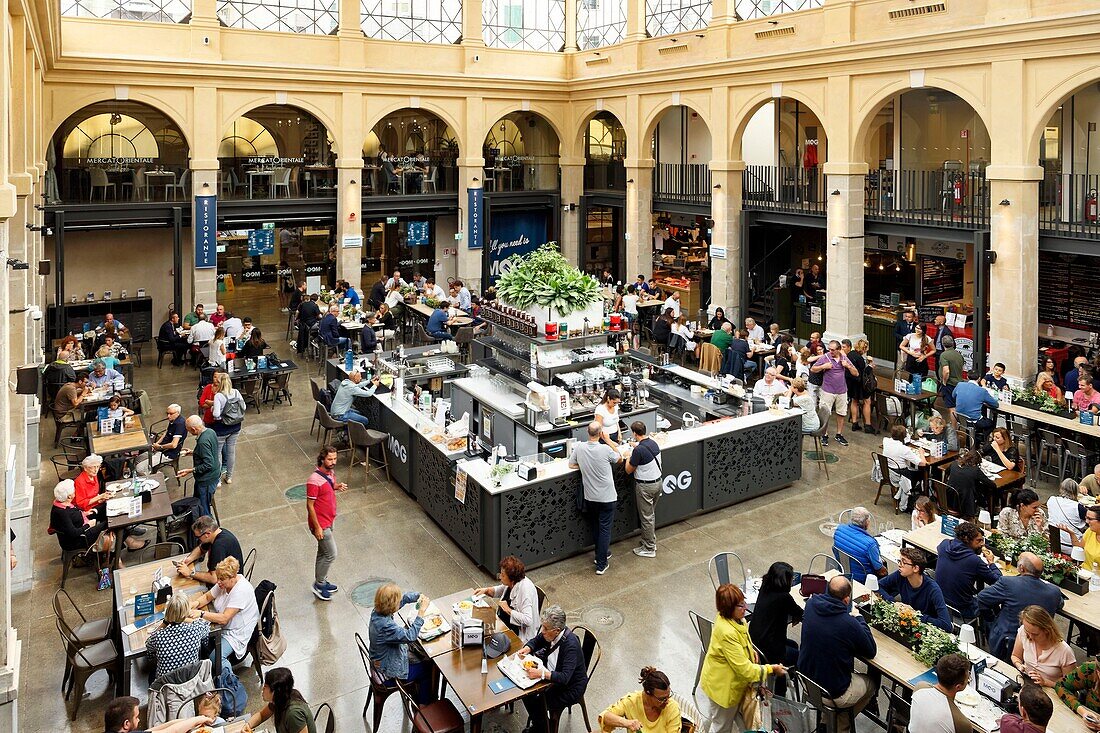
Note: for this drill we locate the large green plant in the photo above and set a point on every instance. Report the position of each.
(545, 278)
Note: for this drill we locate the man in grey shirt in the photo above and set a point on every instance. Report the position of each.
(595, 458)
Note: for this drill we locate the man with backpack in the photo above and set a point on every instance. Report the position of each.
(645, 464)
(321, 488)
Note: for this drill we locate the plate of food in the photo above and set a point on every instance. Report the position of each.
(434, 626)
(969, 698)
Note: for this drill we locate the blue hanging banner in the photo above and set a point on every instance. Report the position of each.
(206, 231)
(475, 224)
(515, 233)
(261, 242)
(416, 234)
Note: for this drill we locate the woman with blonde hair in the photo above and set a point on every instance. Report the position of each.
(390, 637)
(1044, 384)
(176, 644)
(227, 432)
(231, 603)
(940, 431)
(1040, 652)
(860, 398)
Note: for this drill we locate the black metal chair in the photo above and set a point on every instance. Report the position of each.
(84, 661)
(277, 388)
(816, 697)
(590, 648)
(436, 717)
(324, 712)
(249, 564)
(947, 497)
(378, 691)
(885, 482)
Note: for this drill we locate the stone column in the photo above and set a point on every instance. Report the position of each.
(572, 188)
(349, 215)
(1014, 277)
(635, 21)
(205, 30)
(570, 25)
(472, 24)
(727, 271)
(844, 244)
(471, 174)
(639, 218)
(722, 12)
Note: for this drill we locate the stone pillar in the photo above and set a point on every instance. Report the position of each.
(205, 30)
(572, 188)
(349, 215)
(639, 219)
(570, 25)
(468, 265)
(635, 21)
(472, 24)
(722, 12)
(727, 271)
(1014, 277)
(844, 245)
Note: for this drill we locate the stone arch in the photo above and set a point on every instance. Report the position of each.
(749, 108)
(1045, 105)
(430, 108)
(582, 118)
(107, 95)
(244, 108)
(542, 111)
(649, 125)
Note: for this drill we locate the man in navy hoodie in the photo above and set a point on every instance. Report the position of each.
(909, 585)
(963, 561)
(831, 640)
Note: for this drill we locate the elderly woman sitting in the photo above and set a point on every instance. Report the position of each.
(939, 430)
(567, 674)
(177, 643)
(1065, 510)
(73, 527)
(519, 600)
(390, 638)
(231, 603)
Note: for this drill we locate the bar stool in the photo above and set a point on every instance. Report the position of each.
(966, 433)
(1050, 453)
(1075, 452)
(1020, 432)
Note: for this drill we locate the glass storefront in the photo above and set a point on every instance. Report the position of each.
(276, 151)
(521, 154)
(406, 244)
(262, 255)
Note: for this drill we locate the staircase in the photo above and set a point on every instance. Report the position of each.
(762, 307)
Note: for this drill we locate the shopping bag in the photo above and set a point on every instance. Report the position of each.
(789, 716)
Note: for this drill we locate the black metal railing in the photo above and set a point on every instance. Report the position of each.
(783, 188)
(604, 175)
(687, 183)
(950, 198)
(1068, 205)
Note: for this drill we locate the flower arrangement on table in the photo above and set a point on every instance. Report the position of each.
(901, 622)
(349, 312)
(1056, 566)
(1036, 399)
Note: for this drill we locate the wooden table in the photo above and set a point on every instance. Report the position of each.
(897, 662)
(1084, 610)
(427, 311)
(157, 509)
(886, 385)
(461, 668)
(130, 581)
(1054, 421)
(133, 438)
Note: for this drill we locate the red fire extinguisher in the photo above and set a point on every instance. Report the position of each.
(1090, 206)
(958, 187)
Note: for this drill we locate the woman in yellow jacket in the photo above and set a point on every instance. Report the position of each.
(730, 667)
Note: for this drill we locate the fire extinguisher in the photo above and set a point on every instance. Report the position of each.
(958, 188)
(1090, 206)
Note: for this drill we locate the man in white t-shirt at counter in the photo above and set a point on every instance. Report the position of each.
(645, 464)
(768, 386)
(933, 709)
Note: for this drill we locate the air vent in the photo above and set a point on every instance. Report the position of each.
(919, 10)
(595, 62)
(776, 32)
(672, 49)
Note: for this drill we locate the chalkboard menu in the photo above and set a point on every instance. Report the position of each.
(1069, 291)
(940, 279)
(928, 313)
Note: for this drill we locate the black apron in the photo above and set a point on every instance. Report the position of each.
(506, 618)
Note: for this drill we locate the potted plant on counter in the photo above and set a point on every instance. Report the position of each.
(547, 287)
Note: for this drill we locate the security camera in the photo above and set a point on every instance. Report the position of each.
(477, 57)
(36, 313)
(206, 40)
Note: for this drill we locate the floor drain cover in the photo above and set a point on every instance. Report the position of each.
(812, 455)
(296, 493)
(263, 428)
(602, 617)
(363, 593)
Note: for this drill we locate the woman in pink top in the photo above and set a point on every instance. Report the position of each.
(1040, 652)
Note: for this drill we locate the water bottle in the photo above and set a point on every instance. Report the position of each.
(748, 580)
(349, 361)
(1094, 581)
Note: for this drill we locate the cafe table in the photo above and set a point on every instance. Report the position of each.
(153, 179)
(133, 438)
(157, 509)
(253, 175)
(128, 583)
(912, 401)
(1080, 609)
(896, 661)
(461, 668)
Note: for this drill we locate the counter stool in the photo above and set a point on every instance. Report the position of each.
(1074, 452)
(1050, 454)
(1020, 432)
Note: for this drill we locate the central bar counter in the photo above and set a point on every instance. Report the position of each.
(707, 467)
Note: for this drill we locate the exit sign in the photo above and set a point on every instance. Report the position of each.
(391, 219)
(269, 225)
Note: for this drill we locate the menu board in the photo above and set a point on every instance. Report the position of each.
(1070, 291)
(940, 279)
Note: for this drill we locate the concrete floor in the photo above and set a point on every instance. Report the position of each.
(639, 609)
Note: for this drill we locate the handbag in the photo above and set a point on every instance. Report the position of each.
(751, 708)
(789, 716)
(812, 585)
(271, 646)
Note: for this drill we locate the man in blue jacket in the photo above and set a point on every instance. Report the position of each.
(561, 654)
(831, 640)
(854, 539)
(437, 325)
(908, 585)
(961, 563)
(969, 398)
(329, 329)
(1010, 595)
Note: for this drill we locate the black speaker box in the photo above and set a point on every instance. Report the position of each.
(28, 380)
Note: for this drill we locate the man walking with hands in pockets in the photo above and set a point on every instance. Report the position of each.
(321, 488)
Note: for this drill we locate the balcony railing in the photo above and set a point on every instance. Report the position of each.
(605, 176)
(783, 188)
(947, 198)
(521, 176)
(1068, 205)
(687, 183)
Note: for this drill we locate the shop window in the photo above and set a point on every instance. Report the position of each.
(317, 17)
(521, 154)
(410, 151)
(531, 25)
(150, 11)
(664, 17)
(412, 20)
(750, 9)
(600, 23)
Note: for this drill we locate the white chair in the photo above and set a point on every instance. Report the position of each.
(99, 180)
(135, 189)
(429, 180)
(281, 180)
(181, 186)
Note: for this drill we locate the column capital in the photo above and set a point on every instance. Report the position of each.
(839, 168)
(1014, 173)
(349, 163)
(199, 164)
(572, 161)
(635, 163)
(470, 162)
(727, 166)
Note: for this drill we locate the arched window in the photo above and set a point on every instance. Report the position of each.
(600, 23)
(424, 21)
(247, 138)
(111, 135)
(317, 17)
(663, 17)
(531, 25)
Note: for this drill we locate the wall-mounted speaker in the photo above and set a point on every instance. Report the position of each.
(44, 267)
(28, 380)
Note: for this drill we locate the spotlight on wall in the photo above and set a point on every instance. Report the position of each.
(1005, 202)
(205, 189)
(835, 192)
(18, 264)
(717, 186)
(352, 182)
(476, 179)
(630, 180)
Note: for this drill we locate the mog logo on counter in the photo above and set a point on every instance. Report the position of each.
(672, 483)
(396, 449)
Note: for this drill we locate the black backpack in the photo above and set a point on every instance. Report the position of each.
(868, 380)
(267, 618)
